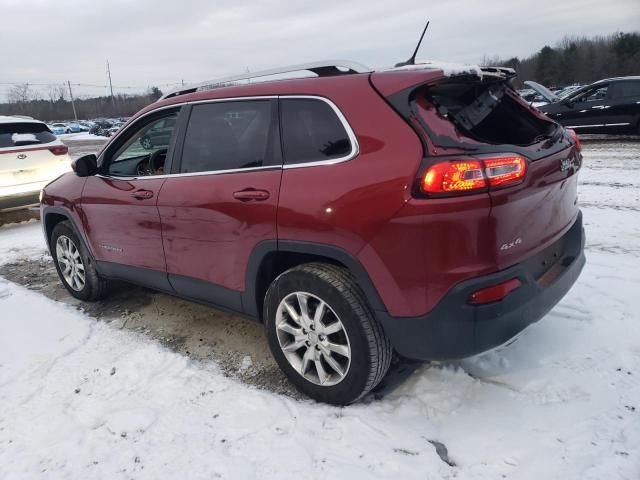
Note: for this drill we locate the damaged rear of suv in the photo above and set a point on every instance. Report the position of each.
(423, 210)
(511, 242)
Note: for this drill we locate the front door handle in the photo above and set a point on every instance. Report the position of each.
(142, 194)
(249, 194)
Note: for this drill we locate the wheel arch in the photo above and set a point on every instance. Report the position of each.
(51, 216)
(270, 258)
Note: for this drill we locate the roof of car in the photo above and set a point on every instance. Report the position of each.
(10, 119)
(617, 79)
(308, 85)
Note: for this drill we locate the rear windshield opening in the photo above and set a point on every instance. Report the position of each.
(21, 134)
(487, 113)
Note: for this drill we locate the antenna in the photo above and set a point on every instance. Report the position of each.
(412, 59)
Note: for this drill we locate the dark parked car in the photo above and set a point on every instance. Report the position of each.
(159, 135)
(353, 214)
(606, 106)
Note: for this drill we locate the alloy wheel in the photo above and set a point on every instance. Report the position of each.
(70, 263)
(313, 339)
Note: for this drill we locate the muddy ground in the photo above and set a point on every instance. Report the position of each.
(238, 345)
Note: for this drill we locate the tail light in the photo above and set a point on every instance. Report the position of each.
(494, 293)
(456, 176)
(505, 171)
(59, 150)
(460, 176)
(576, 139)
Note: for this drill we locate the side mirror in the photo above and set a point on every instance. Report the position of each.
(85, 166)
(568, 103)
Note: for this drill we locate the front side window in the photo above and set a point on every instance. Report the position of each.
(228, 136)
(625, 89)
(594, 94)
(145, 150)
(312, 131)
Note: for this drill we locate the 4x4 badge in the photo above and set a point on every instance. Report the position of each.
(567, 163)
(507, 246)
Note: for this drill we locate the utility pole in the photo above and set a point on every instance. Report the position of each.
(110, 85)
(73, 104)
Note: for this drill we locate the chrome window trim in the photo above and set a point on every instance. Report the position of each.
(180, 105)
(599, 125)
(355, 147)
(191, 174)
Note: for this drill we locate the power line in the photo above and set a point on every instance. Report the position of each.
(93, 85)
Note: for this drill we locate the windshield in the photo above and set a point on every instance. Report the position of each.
(548, 95)
(589, 94)
(20, 134)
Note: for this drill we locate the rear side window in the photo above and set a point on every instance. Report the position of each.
(311, 131)
(228, 136)
(625, 89)
(21, 134)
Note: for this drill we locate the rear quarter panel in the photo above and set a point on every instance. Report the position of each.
(347, 204)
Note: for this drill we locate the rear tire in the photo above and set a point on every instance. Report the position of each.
(336, 356)
(74, 265)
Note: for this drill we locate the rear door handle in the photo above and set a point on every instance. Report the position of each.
(142, 194)
(249, 194)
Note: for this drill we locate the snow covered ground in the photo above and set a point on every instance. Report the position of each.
(81, 136)
(82, 399)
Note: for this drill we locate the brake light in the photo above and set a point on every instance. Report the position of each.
(459, 176)
(59, 150)
(455, 176)
(494, 293)
(575, 138)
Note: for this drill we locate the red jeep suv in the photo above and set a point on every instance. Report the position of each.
(354, 213)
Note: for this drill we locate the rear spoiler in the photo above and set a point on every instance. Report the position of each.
(503, 72)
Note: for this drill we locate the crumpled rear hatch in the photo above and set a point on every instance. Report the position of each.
(477, 114)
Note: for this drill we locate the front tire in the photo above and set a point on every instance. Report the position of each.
(323, 334)
(146, 143)
(74, 265)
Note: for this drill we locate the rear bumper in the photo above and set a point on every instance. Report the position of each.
(455, 329)
(19, 201)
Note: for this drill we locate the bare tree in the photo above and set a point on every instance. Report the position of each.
(57, 93)
(490, 61)
(20, 93)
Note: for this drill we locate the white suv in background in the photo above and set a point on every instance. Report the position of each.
(30, 157)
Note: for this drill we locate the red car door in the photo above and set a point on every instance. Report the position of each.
(222, 199)
(119, 206)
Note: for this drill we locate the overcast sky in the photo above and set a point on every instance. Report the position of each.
(166, 41)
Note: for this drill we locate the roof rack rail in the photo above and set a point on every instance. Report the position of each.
(323, 68)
